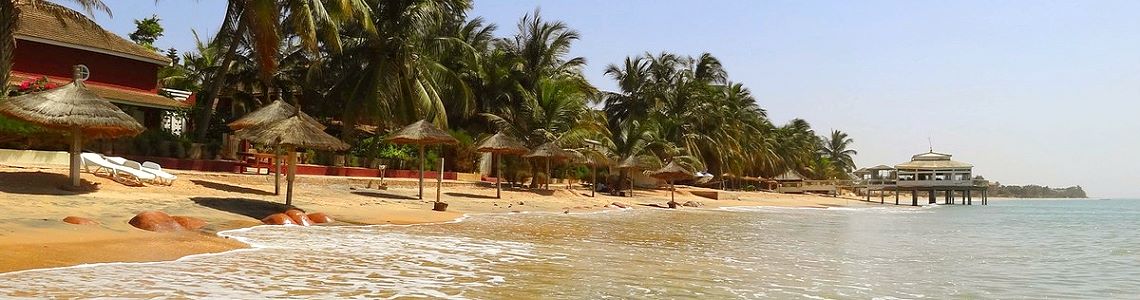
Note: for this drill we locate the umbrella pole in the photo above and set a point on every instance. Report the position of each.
(594, 179)
(75, 145)
(498, 175)
(421, 172)
(277, 174)
(439, 182)
(548, 177)
(672, 192)
(292, 175)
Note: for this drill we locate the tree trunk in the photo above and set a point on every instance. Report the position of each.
(7, 42)
(216, 82)
(621, 180)
(533, 175)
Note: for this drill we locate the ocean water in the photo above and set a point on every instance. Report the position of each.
(1017, 249)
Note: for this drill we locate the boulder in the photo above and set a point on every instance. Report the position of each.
(298, 217)
(155, 221)
(693, 204)
(189, 223)
(620, 205)
(79, 220)
(320, 218)
(278, 219)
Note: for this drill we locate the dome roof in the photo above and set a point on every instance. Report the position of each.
(933, 160)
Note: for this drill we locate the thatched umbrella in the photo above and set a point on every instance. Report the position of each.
(292, 132)
(627, 165)
(75, 109)
(497, 145)
(672, 172)
(548, 151)
(276, 111)
(422, 133)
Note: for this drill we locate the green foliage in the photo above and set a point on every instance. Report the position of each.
(147, 31)
(1036, 191)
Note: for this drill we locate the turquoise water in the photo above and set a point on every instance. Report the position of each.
(1016, 249)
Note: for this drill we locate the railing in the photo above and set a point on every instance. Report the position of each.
(920, 183)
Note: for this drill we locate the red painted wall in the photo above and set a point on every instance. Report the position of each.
(51, 60)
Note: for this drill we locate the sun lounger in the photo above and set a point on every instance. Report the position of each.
(156, 169)
(132, 168)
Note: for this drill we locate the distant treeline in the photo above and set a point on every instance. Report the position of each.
(1036, 191)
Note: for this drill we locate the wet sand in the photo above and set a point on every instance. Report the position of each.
(33, 234)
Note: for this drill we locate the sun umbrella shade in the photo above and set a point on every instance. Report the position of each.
(502, 144)
(294, 131)
(629, 163)
(671, 172)
(548, 150)
(273, 112)
(423, 133)
(72, 107)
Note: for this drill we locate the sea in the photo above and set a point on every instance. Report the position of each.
(1010, 249)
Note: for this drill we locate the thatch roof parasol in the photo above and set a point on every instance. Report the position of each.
(548, 150)
(629, 163)
(72, 107)
(422, 133)
(499, 144)
(671, 172)
(502, 144)
(294, 131)
(271, 113)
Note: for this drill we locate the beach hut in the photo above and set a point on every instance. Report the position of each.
(549, 151)
(498, 145)
(790, 182)
(628, 165)
(292, 132)
(74, 109)
(423, 133)
(275, 111)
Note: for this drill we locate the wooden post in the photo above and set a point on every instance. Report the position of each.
(881, 196)
(292, 175)
(498, 175)
(594, 178)
(76, 141)
(548, 177)
(439, 182)
(896, 196)
(914, 198)
(969, 194)
(931, 196)
(276, 174)
(421, 195)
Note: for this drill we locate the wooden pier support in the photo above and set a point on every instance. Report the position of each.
(932, 199)
(896, 197)
(914, 198)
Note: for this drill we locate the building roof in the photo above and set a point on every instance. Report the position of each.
(39, 26)
(115, 94)
(933, 160)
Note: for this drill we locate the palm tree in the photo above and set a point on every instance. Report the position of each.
(10, 22)
(836, 147)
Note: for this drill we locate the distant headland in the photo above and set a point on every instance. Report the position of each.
(1036, 191)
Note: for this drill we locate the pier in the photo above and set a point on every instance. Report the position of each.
(928, 174)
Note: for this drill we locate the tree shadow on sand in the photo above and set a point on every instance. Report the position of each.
(257, 209)
(466, 195)
(384, 195)
(230, 188)
(41, 183)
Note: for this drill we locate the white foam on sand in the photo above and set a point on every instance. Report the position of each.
(286, 261)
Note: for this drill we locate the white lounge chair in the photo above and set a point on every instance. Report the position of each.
(132, 168)
(156, 169)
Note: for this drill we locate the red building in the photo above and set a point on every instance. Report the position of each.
(121, 71)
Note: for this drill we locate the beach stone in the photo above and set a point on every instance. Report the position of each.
(278, 219)
(190, 223)
(156, 221)
(320, 218)
(298, 217)
(79, 220)
(693, 204)
(620, 205)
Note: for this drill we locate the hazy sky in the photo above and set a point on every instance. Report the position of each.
(1041, 92)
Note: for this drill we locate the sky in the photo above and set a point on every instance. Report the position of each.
(1030, 92)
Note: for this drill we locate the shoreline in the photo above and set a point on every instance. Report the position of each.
(34, 237)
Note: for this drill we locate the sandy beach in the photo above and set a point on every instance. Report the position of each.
(34, 236)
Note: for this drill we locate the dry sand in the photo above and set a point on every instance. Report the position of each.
(32, 234)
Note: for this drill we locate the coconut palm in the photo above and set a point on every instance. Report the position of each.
(10, 20)
(836, 147)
